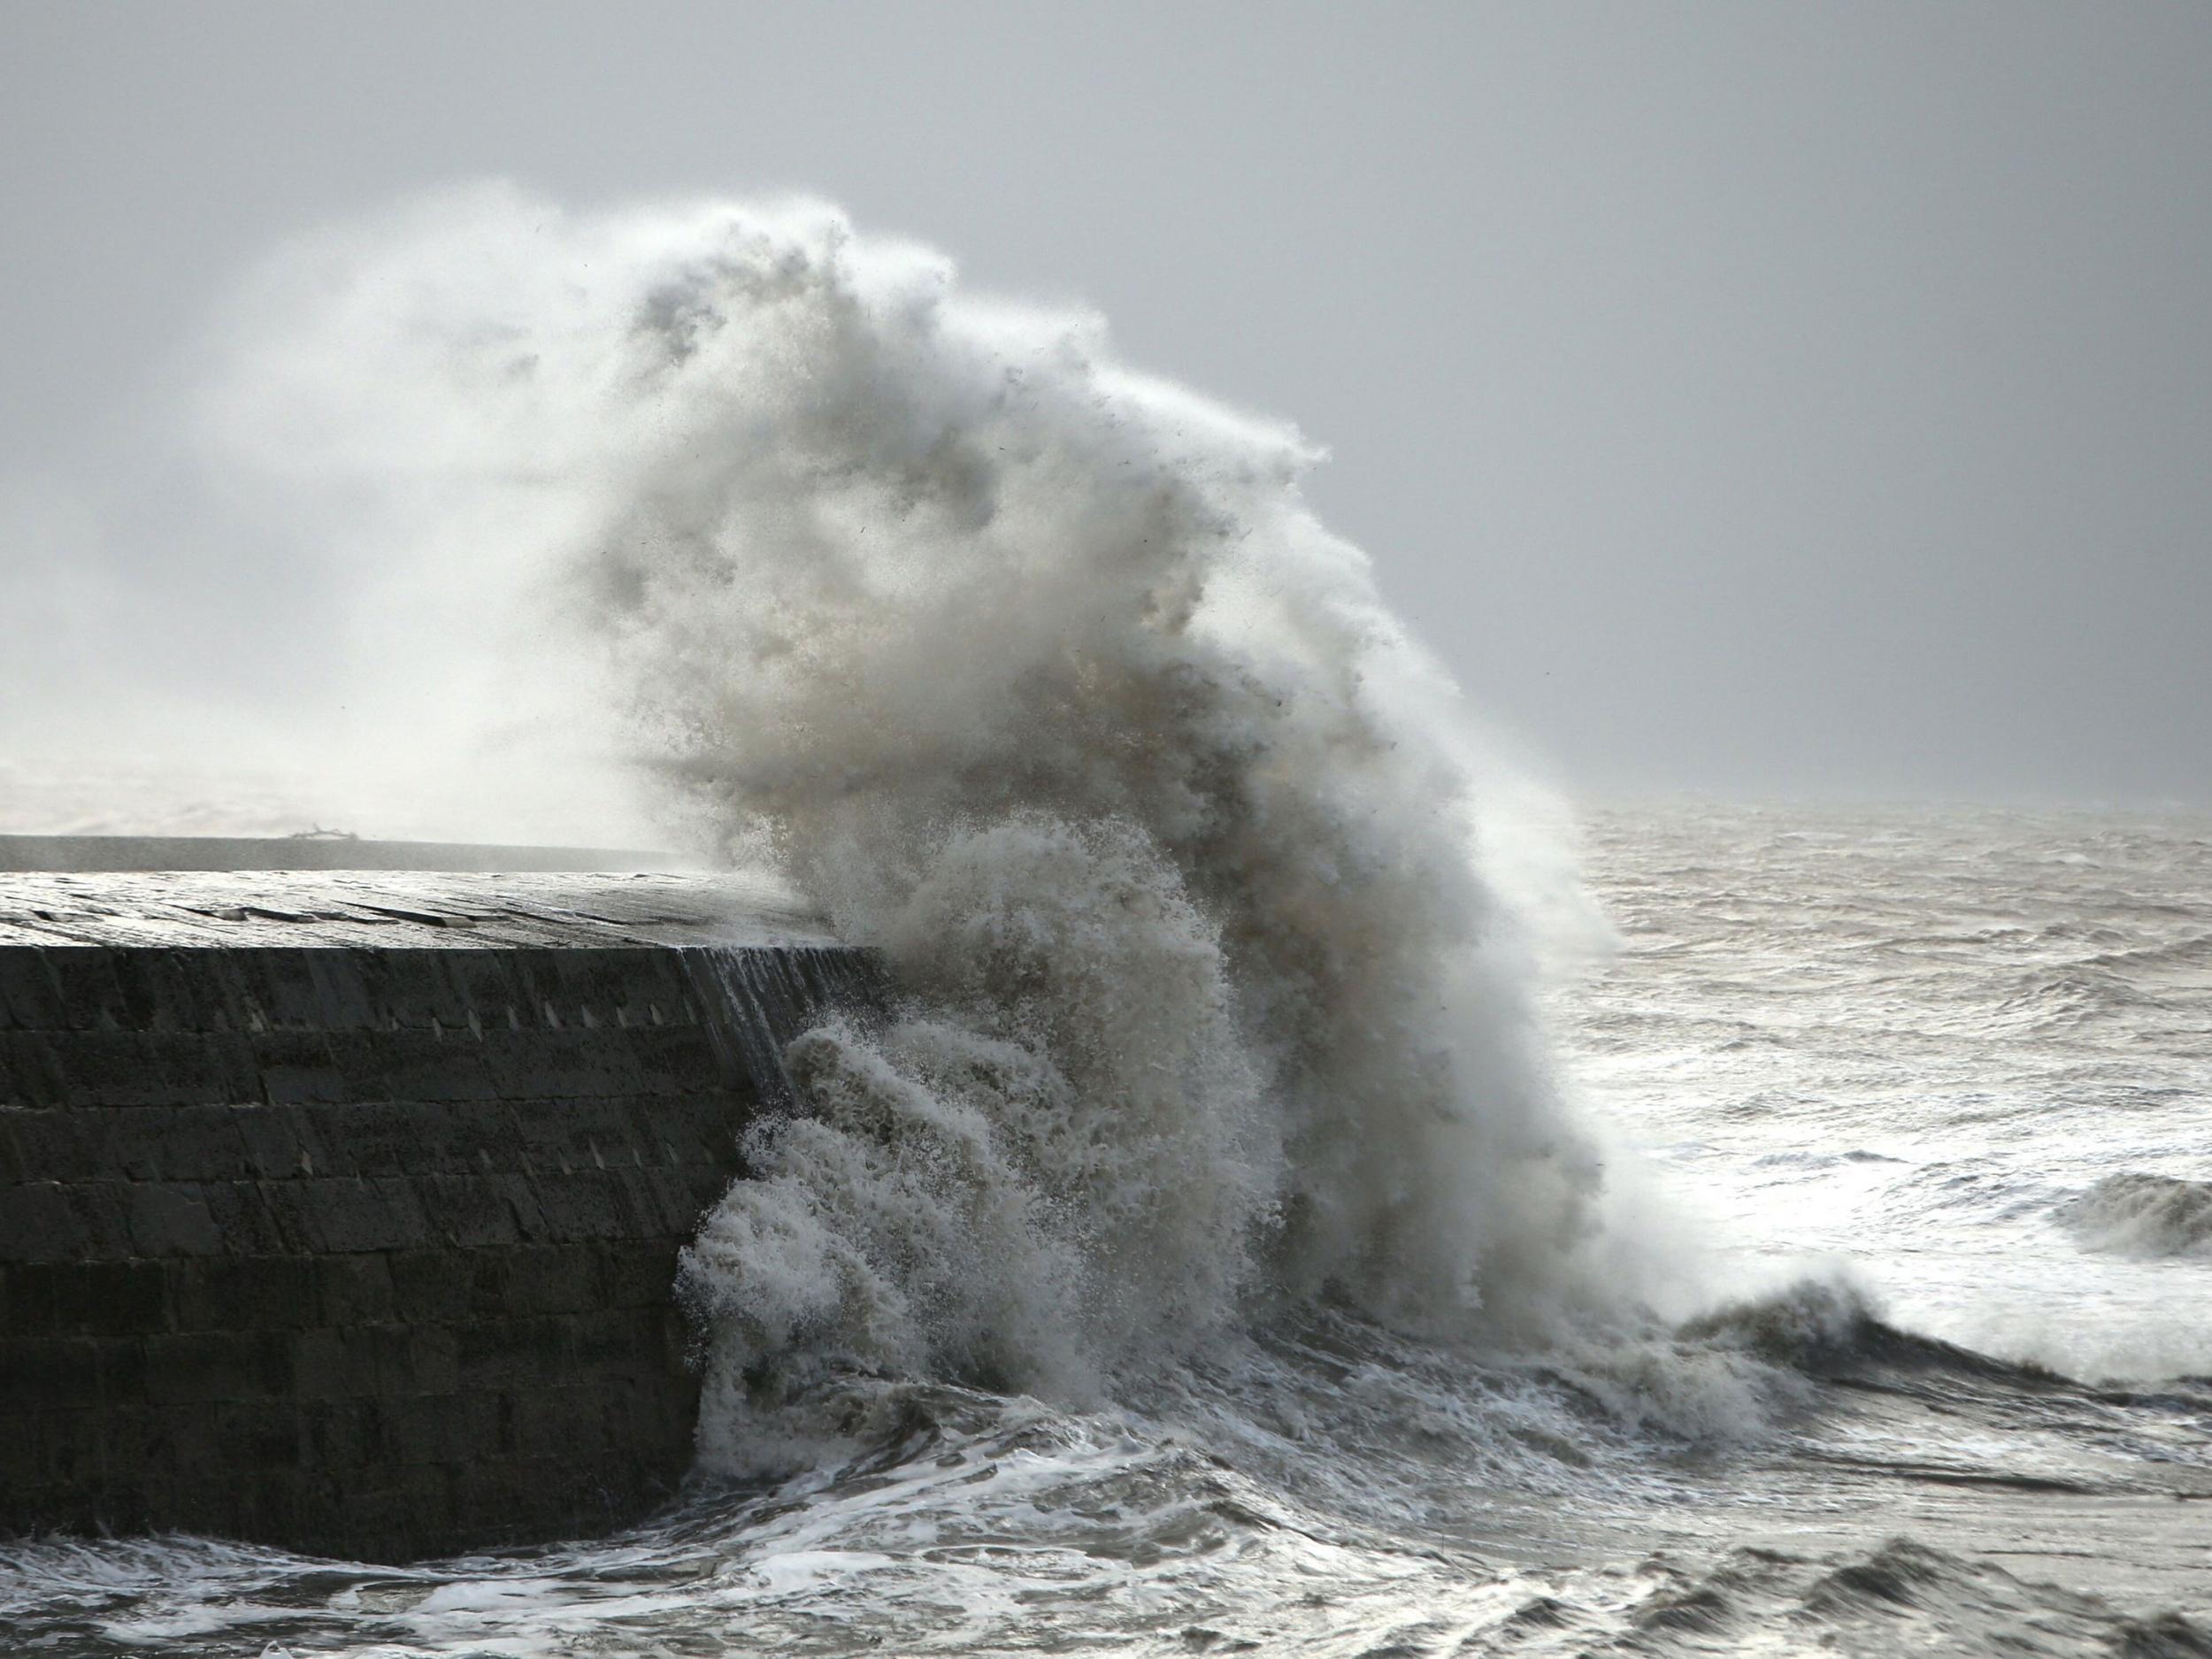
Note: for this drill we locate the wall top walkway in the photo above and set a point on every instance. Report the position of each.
(305, 852)
(396, 910)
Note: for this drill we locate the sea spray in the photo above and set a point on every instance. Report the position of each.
(1054, 1158)
(1041, 675)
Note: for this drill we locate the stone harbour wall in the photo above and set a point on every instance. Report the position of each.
(367, 1252)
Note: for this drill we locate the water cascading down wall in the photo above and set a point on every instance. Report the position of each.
(340, 1211)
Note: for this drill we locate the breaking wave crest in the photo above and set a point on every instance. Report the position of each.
(1901, 1597)
(1215, 969)
(2138, 1214)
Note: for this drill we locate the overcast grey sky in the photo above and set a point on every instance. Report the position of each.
(1741, 398)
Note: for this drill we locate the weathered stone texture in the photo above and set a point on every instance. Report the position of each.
(359, 1251)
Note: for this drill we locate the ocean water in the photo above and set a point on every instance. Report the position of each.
(1302, 1193)
(1960, 1059)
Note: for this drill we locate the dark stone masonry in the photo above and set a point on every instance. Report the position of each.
(341, 1212)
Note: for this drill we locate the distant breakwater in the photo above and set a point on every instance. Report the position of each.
(341, 1211)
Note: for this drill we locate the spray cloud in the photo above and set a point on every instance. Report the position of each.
(1036, 672)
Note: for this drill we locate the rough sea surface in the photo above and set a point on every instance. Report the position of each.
(1928, 1088)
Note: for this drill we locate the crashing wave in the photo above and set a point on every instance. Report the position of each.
(1216, 977)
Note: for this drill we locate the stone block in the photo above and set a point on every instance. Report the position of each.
(246, 1219)
(663, 1131)
(480, 1135)
(145, 1000)
(704, 1184)
(587, 1206)
(569, 1135)
(417, 989)
(448, 1287)
(677, 1060)
(190, 1366)
(383, 1361)
(22, 1448)
(127, 1142)
(297, 1067)
(281, 989)
(125, 1367)
(31, 1072)
(326, 1368)
(355, 1289)
(413, 1065)
(560, 1064)
(341, 998)
(482, 983)
(32, 1068)
(140, 1439)
(178, 1143)
(456, 1430)
(635, 1272)
(69, 1445)
(171, 1218)
(277, 1500)
(512, 1354)
(676, 1199)
(232, 1074)
(410, 1504)
(51, 1373)
(362, 1059)
(389, 1137)
(559, 1279)
(105, 1298)
(143, 1068)
(626, 1342)
(433, 1360)
(295, 1141)
(203, 1144)
(467, 1212)
(352, 1215)
(102, 1213)
(341, 1434)
(387, 1353)
(28, 1292)
(715, 1126)
(198, 1506)
(243, 1292)
(273, 1142)
(295, 1216)
(30, 1000)
(38, 1223)
(180, 989)
(97, 1143)
(545, 1421)
(259, 1436)
(86, 997)
(522, 1202)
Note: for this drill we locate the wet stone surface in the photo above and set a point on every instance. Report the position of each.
(358, 1235)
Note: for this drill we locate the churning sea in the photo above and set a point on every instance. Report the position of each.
(1932, 1088)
